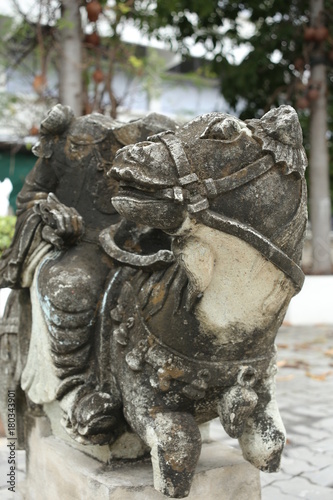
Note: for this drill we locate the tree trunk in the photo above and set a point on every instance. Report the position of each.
(70, 37)
(320, 202)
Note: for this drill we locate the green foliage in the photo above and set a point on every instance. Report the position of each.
(274, 38)
(7, 226)
(124, 9)
(271, 30)
(191, 21)
(135, 62)
(63, 23)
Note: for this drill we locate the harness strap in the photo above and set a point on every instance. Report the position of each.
(197, 203)
(239, 178)
(257, 241)
(162, 258)
(171, 364)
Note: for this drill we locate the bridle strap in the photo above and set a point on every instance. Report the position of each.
(176, 150)
(212, 187)
(199, 204)
(239, 178)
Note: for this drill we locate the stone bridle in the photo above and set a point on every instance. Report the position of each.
(198, 205)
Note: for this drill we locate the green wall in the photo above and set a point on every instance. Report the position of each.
(15, 167)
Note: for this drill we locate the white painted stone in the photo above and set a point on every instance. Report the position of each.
(39, 380)
(240, 287)
(56, 470)
(312, 306)
(32, 261)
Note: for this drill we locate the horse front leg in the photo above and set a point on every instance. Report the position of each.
(248, 411)
(264, 435)
(175, 442)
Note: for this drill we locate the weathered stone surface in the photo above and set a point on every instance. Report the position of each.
(159, 312)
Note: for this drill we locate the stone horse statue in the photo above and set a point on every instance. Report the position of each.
(201, 268)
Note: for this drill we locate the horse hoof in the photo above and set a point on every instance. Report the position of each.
(175, 444)
(263, 439)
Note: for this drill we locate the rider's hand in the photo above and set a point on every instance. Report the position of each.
(63, 225)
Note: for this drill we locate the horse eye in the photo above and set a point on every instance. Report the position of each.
(224, 130)
(231, 129)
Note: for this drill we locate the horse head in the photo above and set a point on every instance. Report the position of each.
(243, 178)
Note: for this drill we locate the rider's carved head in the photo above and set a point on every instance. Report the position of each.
(76, 139)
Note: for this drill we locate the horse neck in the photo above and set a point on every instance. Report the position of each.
(237, 285)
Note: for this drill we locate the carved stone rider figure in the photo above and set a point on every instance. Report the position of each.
(62, 208)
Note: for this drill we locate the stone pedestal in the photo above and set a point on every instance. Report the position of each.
(57, 470)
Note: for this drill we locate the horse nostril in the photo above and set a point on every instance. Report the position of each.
(114, 173)
(121, 174)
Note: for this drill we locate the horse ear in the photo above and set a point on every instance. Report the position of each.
(280, 133)
(223, 129)
(282, 124)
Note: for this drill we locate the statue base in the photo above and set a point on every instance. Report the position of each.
(57, 470)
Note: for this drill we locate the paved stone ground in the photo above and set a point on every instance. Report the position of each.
(305, 397)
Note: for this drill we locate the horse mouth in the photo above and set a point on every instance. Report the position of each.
(142, 193)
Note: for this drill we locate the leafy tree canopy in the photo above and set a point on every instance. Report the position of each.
(271, 31)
